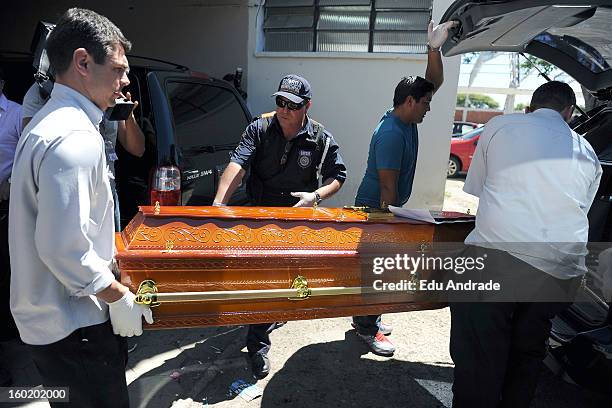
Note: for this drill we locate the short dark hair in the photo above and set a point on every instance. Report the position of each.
(414, 86)
(553, 95)
(82, 28)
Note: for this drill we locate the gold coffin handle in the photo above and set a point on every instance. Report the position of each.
(148, 295)
(300, 284)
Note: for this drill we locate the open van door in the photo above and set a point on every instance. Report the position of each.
(573, 35)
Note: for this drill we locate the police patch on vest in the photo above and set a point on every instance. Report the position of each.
(304, 158)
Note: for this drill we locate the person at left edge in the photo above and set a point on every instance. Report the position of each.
(10, 117)
(61, 224)
(286, 151)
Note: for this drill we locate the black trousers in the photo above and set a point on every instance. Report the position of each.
(10, 330)
(498, 350)
(91, 361)
(498, 346)
(258, 338)
(258, 335)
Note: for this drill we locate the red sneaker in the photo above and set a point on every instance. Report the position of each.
(378, 344)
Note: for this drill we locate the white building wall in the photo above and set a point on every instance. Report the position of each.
(350, 94)
(351, 91)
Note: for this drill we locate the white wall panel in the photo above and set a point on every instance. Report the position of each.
(350, 94)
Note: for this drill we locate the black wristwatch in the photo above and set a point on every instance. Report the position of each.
(318, 198)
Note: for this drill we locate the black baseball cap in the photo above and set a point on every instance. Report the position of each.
(295, 88)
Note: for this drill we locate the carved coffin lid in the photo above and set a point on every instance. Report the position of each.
(256, 229)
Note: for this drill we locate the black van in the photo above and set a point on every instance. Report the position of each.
(191, 123)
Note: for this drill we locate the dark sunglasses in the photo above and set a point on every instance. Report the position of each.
(281, 103)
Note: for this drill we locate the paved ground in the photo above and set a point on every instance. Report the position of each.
(456, 200)
(315, 363)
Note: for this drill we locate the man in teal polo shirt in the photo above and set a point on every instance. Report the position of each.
(392, 160)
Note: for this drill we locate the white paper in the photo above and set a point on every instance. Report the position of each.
(418, 215)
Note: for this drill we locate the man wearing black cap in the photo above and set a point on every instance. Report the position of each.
(288, 153)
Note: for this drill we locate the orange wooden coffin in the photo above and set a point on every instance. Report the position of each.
(209, 266)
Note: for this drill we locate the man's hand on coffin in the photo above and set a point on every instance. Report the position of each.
(306, 199)
(126, 316)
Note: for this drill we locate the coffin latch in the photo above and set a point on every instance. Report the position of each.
(300, 284)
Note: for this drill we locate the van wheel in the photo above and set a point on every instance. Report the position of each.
(454, 166)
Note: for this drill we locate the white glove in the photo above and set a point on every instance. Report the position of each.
(306, 199)
(438, 35)
(126, 316)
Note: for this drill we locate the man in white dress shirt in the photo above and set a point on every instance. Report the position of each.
(536, 179)
(61, 222)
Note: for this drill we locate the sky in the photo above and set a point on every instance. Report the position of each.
(495, 73)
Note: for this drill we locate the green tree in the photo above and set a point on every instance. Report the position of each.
(521, 66)
(533, 64)
(520, 106)
(477, 101)
(521, 69)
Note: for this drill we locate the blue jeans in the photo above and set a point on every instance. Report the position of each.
(367, 325)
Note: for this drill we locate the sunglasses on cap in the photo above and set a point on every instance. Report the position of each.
(281, 103)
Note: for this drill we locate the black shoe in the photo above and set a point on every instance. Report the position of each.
(260, 365)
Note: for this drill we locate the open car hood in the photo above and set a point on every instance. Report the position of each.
(573, 35)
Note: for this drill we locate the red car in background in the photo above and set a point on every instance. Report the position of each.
(461, 152)
(460, 128)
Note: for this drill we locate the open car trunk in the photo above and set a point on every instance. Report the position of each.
(573, 35)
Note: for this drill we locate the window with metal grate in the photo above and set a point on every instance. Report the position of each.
(394, 26)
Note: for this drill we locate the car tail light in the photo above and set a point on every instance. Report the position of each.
(166, 186)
